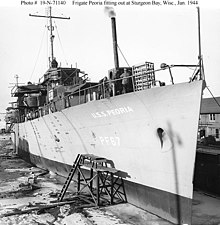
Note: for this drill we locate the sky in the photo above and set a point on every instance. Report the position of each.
(158, 34)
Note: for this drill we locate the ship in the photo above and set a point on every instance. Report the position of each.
(146, 128)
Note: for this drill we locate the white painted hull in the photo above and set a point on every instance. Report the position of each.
(125, 129)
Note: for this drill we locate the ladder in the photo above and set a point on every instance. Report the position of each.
(109, 185)
(69, 178)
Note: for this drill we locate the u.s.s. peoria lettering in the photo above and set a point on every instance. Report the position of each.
(112, 112)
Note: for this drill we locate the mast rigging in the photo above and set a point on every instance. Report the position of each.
(50, 17)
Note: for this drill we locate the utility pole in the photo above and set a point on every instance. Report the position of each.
(51, 28)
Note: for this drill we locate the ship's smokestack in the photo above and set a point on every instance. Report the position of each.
(115, 44)
(110, 12)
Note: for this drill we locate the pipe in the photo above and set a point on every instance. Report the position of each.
(115, 45)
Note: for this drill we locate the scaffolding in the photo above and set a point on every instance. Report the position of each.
(143, 76)
(98, 182)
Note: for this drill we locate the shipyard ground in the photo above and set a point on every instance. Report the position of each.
(27, 194)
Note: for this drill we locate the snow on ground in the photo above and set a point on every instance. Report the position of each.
(206, 209)
(24, 187)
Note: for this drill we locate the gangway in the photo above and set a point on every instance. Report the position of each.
(98, 182)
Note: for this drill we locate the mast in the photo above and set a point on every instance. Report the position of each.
(51, 28)
(51, 34)
(200, 51)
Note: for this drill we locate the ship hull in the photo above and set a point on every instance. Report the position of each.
(150, 135)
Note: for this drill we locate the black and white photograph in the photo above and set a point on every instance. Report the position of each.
(110, 112)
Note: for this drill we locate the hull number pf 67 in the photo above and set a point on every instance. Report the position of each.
(113, 141)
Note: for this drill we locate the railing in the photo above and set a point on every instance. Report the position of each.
(102, 90)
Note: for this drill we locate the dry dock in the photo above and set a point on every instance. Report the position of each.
(28, 194)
